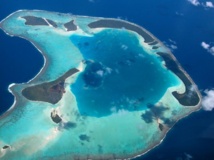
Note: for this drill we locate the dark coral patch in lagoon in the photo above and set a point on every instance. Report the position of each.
(94, 73)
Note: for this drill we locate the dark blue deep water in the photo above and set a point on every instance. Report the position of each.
(177, 20)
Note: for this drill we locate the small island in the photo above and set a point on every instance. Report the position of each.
(50, 92)
(108, 89)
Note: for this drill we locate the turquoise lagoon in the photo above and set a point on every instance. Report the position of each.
(120, 103)
(118, 65)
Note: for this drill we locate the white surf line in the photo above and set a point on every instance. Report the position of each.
(47, 22)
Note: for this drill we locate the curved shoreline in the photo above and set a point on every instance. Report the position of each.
(42, 70)
(45, 65)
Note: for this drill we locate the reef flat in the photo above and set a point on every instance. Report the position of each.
(108, 89)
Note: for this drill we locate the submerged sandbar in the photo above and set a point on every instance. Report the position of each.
(76, 54)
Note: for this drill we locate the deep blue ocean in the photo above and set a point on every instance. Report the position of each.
(168, 20)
